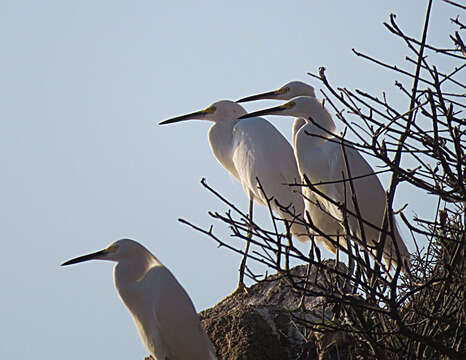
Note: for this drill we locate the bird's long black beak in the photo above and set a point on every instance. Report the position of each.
(192, 116)
(270, 111)
(262, 96)
(94, 256)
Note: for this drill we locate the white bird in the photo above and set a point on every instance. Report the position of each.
(254, 149)
(320, 217)
(320, 158)
(162, 310)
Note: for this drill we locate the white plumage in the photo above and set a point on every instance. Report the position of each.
(164, 314)
(320, 217)
(254, 149)
(320, 157)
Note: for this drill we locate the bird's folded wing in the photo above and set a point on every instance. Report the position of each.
(261, 152)
(180, 326)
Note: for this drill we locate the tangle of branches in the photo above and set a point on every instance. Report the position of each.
(388, 315)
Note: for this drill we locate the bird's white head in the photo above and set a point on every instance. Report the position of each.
(118, 251)
(222, 110)
(301, 106)
(288, 91)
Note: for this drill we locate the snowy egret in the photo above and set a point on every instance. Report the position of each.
(162, 310)
(254, 149)
(320, 218)
(320, 158)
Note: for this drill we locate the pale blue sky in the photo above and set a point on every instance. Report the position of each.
(83, 161)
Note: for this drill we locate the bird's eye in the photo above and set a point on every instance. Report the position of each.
(289, 105)
(112, 248)
(210, 109)
(284, 90)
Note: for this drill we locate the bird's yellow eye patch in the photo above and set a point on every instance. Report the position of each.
(112, 248)
(283, 90)
(288, 105)
(210, 109)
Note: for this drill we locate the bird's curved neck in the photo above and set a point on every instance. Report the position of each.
(298, 123)
(320, 122)
(130, 272)
(221, 143)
